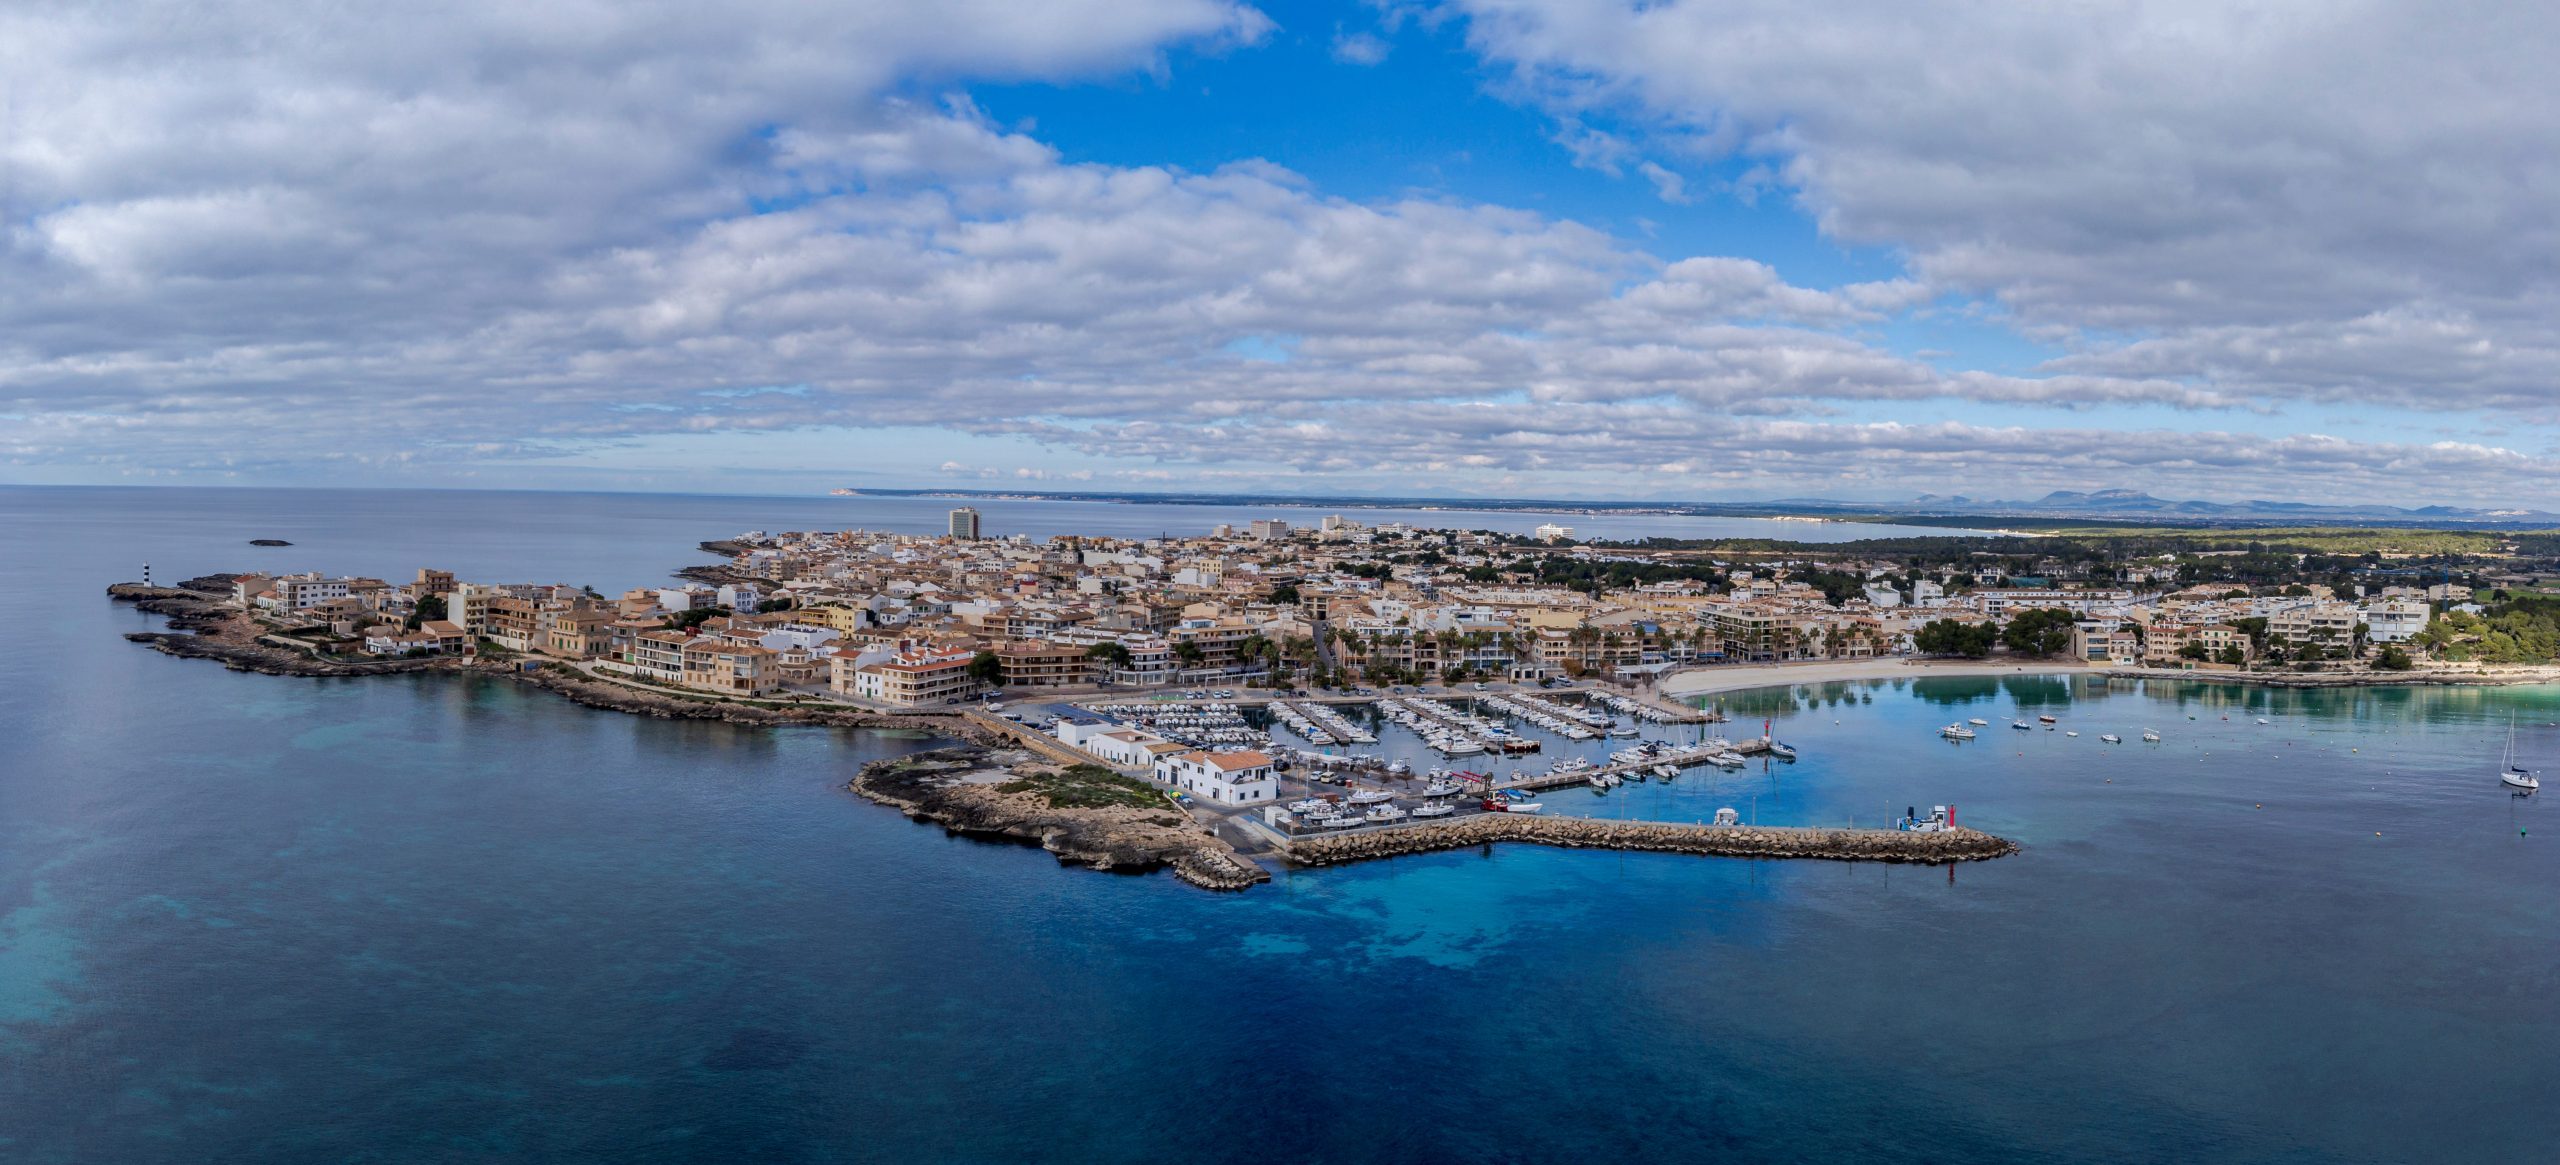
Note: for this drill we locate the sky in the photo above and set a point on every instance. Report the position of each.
(1670, 249)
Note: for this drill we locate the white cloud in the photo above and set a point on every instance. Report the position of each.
(1360, 48)
(1668, 186)
(2208, 175)
(481, 233)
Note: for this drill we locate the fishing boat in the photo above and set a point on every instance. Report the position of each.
(1371, 797)
(1956, 732)
(2151, 736)
(1441, 789)
(2111, 738)
(2044, 719)
(1434, 809)
(1666, 772)
(1385, 814)
(1597, 781)
(2511, 774)
(2022, 726)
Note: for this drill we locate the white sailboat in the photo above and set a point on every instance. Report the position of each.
(2510, 773)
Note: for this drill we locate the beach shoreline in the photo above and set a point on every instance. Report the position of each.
(1721, 680)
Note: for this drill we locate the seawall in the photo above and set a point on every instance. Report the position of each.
(1734, 841)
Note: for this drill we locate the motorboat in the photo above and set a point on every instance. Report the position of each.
(1956, 732)
(2022, 726)
(2111, 738)
(2044, 719)
(2262, 719)
(2511, 774)
(2072, 732)
(1782, 750)
(1385, 814)
(1597, 781)
(1728, 759)
(1979, 722)
(1441, 789)
(1666, 772)
(1526, 807)
(1434, 809)
(1372, 797)
(2151, 736)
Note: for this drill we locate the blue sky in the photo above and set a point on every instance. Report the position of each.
(1713, 249)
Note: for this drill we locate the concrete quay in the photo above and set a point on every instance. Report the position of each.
(1740, 841)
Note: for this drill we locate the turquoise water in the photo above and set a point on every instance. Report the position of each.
(418, 919)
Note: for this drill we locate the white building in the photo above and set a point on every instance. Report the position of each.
(1227, 778)
(797, 636)
(1554, 533)
(2394, 620)
(1270, 529)
(740, 597)
(1117, 745)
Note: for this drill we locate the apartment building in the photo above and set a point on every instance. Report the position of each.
(910, 679)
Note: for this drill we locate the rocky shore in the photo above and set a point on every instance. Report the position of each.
(1740, 841)
(984, 792)
(2500, 675)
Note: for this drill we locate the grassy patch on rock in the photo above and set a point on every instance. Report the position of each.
(1086, 787)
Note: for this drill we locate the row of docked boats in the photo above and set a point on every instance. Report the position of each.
(1197, 723)
(1564, 720)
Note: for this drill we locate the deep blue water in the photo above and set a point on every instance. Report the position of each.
(412, 919)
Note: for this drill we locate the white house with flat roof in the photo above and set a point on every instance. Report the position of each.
(1227, 778)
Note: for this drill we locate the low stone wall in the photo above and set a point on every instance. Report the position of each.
(1739, 841)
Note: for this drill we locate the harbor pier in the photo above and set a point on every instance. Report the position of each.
(1928, 847)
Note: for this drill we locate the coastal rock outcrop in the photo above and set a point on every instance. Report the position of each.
(1738, 841)
(982, 792)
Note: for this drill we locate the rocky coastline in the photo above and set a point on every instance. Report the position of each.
(1736, 841)
(2502, 675)
(972, 791)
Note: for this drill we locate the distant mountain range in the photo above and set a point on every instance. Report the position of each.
(2128, 503)
(2105, 505)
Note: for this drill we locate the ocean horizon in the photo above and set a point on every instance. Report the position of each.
(437, 918)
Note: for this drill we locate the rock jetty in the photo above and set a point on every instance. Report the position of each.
(974, 792)
(1735, 841)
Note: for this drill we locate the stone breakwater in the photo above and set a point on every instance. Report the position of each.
(1737, 841)
(961, 789)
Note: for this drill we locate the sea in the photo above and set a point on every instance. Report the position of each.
(435, 919)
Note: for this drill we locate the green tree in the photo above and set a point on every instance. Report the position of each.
(2191, 650)
(1188, 654)
(2232, 655)
(1951, 637)
(429, 608)
(985, 668)
(2391, 658)
(1112, 656)
(2040, 632)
